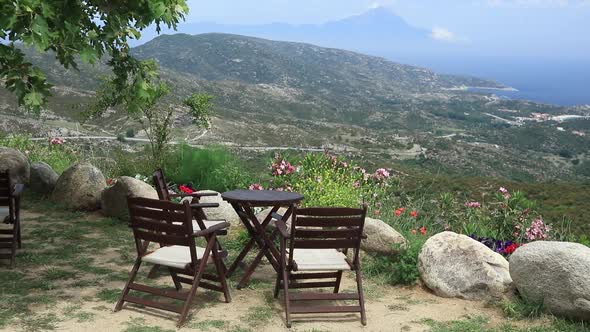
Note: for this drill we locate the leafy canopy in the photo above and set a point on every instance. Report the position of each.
(88, 29)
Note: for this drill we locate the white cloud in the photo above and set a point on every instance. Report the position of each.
(442, 34)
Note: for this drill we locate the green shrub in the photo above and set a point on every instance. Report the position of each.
(130, 133)
(400, 269)
(213, 168)
(58, 156)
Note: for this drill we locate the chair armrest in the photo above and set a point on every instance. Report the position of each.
(213, 229)
(282, 228)
(18, 189)
(195, 195)
(204, 205)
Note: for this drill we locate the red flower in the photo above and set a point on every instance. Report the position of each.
(511, 248)
(185, 189)
(423, 230)
(399, 211)
(414, 214)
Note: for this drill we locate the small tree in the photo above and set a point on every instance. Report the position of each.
(146, 99)
(89, 29)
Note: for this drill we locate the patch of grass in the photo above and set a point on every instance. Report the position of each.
(398, 307)
(54, 273)
(84, 316)
(110, 295)
(258, 316)
(138, 325)
(520, 309)
(208, 324)
(33, 323)
(479, 323)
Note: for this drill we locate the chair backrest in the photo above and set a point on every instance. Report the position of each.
(327, 228)
(161, 186)
(163, 222)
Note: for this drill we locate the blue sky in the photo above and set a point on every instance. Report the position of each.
(547, 28)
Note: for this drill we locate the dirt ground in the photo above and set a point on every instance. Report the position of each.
(389, 308)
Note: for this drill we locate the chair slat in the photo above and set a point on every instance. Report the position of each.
(327, 234)
(304, 309)
(158, 225)
(155, 204)
(330, 212)
(153, 304)
(324, 244)
(156, 214)
(163, 239)
(157, 291)
(328, 222)
(323, 296)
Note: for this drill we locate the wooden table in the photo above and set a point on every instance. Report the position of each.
(244, 202)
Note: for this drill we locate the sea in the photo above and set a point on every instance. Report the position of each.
(564, 82)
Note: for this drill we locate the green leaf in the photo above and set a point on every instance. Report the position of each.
(88, 55)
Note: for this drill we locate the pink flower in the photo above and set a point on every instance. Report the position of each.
(185, 189)
(256, 186)
(473, 205)
(538, 230)
(356, 184)
(56, 141)
(381, 173)
(414, 231)
(423, 230)
(414, 214)
(504, 192)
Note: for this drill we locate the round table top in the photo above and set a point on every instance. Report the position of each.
(270, 197)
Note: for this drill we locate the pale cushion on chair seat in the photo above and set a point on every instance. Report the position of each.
(173, 256)
(320, 260)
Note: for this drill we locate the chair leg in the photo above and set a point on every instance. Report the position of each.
(196, 280)
(153, 272)
(125, 291)
(13, 252)
(286, 297)
(240, 258)
(20, 245)
(174, 277)
(359, 284)
(220, 268)
(338, 280)
(277, 285)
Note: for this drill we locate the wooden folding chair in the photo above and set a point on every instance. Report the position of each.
(316, 251)
(170, 226)
(10, 238)
(201, 221)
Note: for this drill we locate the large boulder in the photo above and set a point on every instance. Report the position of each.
(381, 238)
(556, 274)
(43, 178)
(224, 211)
(17, 163)
(79, 187)
(113, 200)
(455, 265)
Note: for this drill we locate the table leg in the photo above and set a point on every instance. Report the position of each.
(253, 232)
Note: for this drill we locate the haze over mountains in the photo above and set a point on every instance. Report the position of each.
(539, 73)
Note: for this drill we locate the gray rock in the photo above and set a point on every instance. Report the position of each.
(79, 187)
(556, 274)
(113, 200)
(17, 163)
(454, 265)
(43, 178)
(381, 238)
(224, 211)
